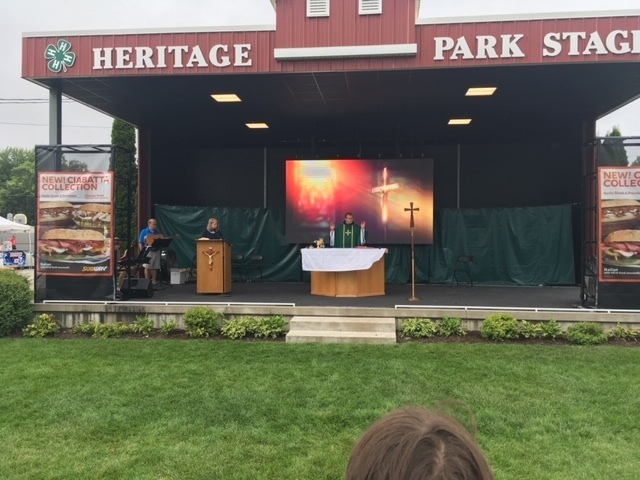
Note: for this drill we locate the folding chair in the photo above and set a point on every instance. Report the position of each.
(463, 270)
(192, 271)
(253, 264)
(237, 266)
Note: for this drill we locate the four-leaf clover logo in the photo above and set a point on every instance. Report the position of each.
(59, 57)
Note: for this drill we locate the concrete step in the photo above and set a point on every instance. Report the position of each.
(307, 329)
(343, 324)
(322, 336)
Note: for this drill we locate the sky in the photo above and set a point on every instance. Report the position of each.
(24, 110)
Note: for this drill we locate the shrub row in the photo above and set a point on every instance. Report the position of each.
(426, 328)
(500, 327)
(142, 326)
(201, 322)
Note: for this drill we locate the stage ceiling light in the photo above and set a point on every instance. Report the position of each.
(257, 125)
(460, 121)
(225, 97)
(480, 91)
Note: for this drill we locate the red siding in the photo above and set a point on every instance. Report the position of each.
(34, 64)
(370, 31)
(531, 44)
(344, 26)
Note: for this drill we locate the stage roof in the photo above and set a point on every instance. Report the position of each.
(406, 99)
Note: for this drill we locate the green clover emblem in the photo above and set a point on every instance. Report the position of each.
(59, 57)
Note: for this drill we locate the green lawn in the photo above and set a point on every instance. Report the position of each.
(189, 409)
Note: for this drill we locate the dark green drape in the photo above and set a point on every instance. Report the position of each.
(515, 246)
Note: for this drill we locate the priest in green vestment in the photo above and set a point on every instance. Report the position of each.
(347, 234)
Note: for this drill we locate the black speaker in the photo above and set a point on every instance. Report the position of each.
(138, 288)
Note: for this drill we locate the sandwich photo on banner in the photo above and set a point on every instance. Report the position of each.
(55, 213)
(67, 250)
(620, 214)
(92, 215)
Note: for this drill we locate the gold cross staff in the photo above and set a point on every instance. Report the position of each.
(210, 255)
(411, 209)
(413, 253)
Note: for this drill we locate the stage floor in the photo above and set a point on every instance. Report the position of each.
(396, 294)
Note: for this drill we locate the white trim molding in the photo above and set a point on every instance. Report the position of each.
(353, 51)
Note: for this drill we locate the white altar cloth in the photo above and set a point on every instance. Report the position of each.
(340, 259)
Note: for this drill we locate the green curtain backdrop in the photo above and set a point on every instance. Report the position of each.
(511, 246)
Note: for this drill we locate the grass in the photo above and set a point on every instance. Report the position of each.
(157, 409)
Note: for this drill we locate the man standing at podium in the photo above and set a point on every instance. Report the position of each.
(146, 239)
(347, 234)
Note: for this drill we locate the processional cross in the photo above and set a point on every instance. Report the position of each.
(210, 254)
(413, 253)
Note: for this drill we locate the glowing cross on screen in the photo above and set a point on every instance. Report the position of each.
(384, 190)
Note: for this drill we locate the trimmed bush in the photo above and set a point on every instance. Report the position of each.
(236, 328)
(448, 327)
(202, 322)
(241, 327)
(530, 330)
(586, 333)
(85, 328)
(44, 324)
(111, 330)
(143, 325)
(550, 330)
(623, 333)
(167, 328)
(270, 327)
(16, 300)
(500, 327)
(418, 328)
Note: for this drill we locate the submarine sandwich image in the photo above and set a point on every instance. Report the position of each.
(92, 215)
(53, 213)
(622, 248)
(65, 244)
(619, 215)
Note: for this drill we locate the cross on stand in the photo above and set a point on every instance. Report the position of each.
(413, 253)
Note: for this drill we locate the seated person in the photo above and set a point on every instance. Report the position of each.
(151, 268)
(123, 270)
(416, 443)
(212, 231)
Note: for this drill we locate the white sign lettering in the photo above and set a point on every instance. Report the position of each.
(484, 47)
(178, 56)
(581, 43)
(586, 44)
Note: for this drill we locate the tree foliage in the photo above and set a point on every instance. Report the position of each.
(123, 135)
(612, 151)
(17, 182)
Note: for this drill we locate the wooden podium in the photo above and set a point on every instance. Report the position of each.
(213, 266)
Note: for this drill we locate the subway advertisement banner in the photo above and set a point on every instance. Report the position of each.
(619, 224)
(74, 223)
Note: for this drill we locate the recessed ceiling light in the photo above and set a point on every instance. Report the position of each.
(226, 97)
(460, 121)
(257, 125)
(480, 91)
